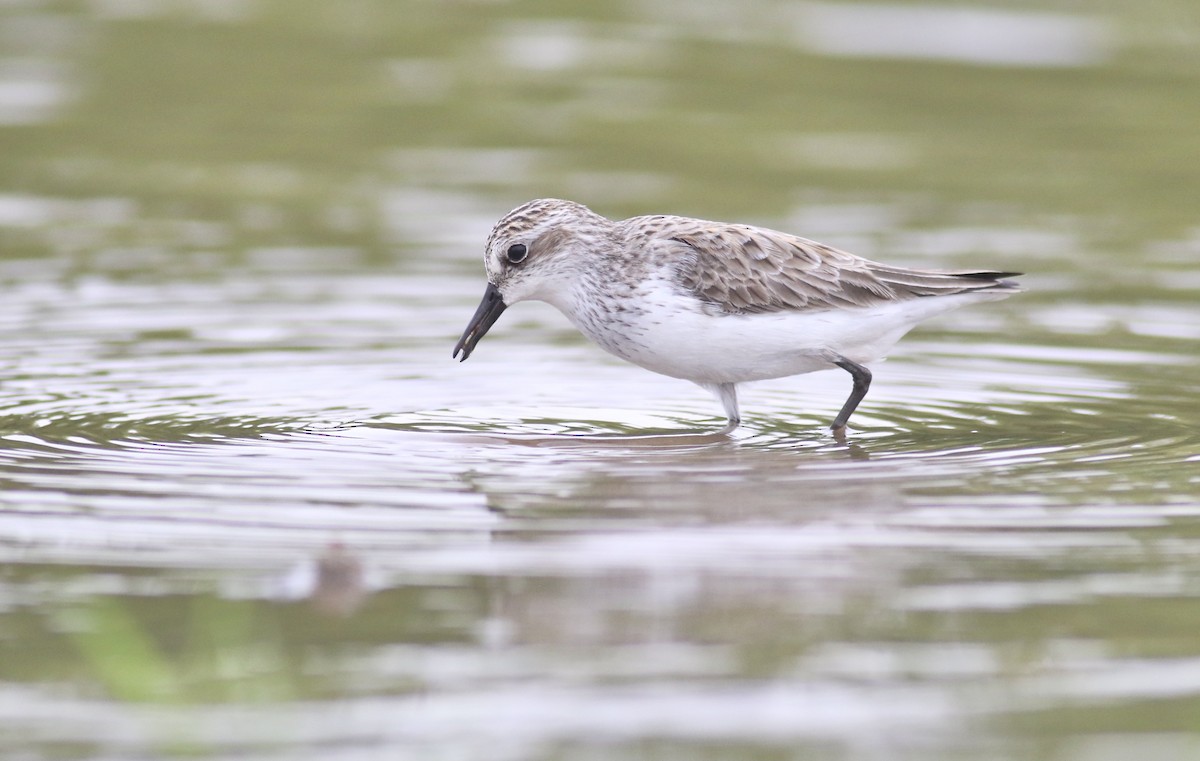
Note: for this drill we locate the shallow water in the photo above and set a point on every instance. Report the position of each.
(252, 508)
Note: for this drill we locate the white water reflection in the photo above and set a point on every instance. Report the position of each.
(507, 721)
(33, 90)
(982, 36)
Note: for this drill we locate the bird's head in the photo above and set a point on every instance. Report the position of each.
(535, 252)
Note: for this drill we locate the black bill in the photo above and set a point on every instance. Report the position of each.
(486, 315)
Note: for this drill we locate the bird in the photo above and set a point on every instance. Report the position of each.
(714, 303)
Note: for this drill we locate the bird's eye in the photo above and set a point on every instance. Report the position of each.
(516, 253)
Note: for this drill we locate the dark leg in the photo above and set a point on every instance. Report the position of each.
(862, 382)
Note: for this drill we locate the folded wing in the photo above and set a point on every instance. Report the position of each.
(741, 269)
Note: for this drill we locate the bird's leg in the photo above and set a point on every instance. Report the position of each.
(862, 382)
(727, 394)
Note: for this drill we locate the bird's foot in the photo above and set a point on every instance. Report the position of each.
(839, 433)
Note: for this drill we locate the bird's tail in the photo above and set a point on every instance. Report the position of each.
(946, 282)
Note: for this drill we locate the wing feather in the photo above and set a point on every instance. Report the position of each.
(741, 269)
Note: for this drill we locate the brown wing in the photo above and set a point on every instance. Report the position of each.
(743, 269)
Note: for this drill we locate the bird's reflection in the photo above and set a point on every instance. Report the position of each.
(334, 584)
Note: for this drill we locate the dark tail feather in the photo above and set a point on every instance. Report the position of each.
(945, 282)
(987, 275)
(994, 280)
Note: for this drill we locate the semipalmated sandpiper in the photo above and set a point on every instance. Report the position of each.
(716, 304)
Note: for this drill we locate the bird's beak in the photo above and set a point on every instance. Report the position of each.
(486, 315)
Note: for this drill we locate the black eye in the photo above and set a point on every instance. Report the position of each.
(516, 253)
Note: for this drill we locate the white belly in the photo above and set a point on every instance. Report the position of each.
(674, 337)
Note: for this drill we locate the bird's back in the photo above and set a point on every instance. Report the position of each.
(743, 269)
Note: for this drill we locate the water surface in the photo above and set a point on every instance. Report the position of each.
(252, 508)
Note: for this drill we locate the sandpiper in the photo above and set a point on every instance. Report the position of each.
(713, 303)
